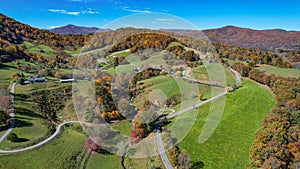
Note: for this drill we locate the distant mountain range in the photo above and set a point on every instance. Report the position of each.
(243, 37)
(76, 30)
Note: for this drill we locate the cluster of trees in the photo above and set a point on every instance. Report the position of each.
(15, 33)
(91, 145)
(144, 41)
(292, 55)
(181, 159)
(241, 68)
(104, 98)
(277, 143)
(5, 103)
(49, 102)
(257, 56)
(4, 118)
(182, 54)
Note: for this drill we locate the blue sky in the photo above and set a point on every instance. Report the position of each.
(255, 14)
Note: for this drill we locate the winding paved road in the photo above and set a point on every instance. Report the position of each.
(158, 138)
(58, 129)
(195, 106)
(11, 114)
(161, 150)
(237, 77)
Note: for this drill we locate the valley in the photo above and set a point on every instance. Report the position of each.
(75, 97)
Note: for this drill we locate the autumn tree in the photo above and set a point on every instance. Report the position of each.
(200, 96)
(183, 160)
(91, 145)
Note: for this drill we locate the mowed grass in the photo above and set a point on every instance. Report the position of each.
(29, 125)
(229, 145)
(26, 89)
(123, 127)
(63, 152)
(141, 163)
(168, 86)
(28, 128)
(47, 51)
(213, 72)
(6, 73)
(104, 161)
(74, 52)
(284, 72)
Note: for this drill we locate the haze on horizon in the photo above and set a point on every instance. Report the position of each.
(269, 14)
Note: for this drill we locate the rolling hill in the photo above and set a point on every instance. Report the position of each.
(76, 30)
(244, 37)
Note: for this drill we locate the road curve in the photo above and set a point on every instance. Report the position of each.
(195, 106)
(11, 114)
(41, 143)
(161, 150)
(237, 77)
(158, 138)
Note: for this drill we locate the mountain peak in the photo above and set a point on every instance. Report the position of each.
(76, 30)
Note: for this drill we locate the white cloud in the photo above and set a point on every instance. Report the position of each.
(63, 11)
(126, 8)
(76, 13)
(89, 11)
(52, 27)
(165, 19)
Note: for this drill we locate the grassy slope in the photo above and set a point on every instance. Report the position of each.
(284, 72)
(6, 73)
(29, 124)
(201, 73)
(123, 127)
(59, 153)
(74, 52)
(37, 49)
(28, 128)
(104, 161)
(229, 145)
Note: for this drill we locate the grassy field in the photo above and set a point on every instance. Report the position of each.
(28, 128)
(284, 72)
(171, 87)
(229, 145)
(139, 163)
(175, 44)
(74, 52)
(47, 51)
(123, 127)
(6, 73)
(202, 73)
(62, 152)
(25, 89)
(105, 161)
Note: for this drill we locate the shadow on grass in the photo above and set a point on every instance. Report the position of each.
(26, 112)
(23, 118)
(197, 165)
(22, 97)
(105, 152)
(21, 140)
(6, 127)
(21, 123)
(6, 67)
